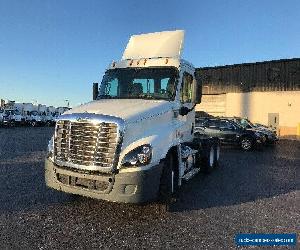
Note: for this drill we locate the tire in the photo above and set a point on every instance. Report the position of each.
(169, 180)
(246, 143)
(12, 123)
(208, 159)
(33, 123)
(217, 154)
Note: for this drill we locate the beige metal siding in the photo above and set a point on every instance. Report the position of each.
(279, 75)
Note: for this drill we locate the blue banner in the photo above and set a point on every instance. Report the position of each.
(266, 239)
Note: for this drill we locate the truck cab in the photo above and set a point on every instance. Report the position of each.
(135, 141)
(12, 117)
(34, 118)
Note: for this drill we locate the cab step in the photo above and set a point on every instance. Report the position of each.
(191, 174)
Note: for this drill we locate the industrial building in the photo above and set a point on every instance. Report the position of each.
(264, 92)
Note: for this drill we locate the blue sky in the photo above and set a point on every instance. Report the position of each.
(52, 50)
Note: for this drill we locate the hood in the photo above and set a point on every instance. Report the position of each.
(129, 110)
(262, 131)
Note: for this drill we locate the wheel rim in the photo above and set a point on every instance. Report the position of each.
(172, 182)
(246, 144)
(211, 157)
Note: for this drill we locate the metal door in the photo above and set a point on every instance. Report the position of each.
(273, 120)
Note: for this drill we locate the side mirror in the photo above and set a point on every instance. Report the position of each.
(197, 92)
(95, 90)
(184, 110)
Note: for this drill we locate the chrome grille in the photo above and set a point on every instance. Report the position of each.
(85, 143)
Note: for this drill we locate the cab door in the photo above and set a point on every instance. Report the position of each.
(186, 99)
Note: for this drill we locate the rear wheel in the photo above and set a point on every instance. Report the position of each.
(246, 143)
(208, 159)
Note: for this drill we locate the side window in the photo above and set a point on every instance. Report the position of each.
(225, 125)
(164, 83)
(201, 122)
(186, 88)
(213, 124)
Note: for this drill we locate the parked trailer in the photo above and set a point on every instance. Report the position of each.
(135, 141)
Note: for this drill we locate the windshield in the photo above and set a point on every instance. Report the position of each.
(237, 123)
(139, 83)
(246, 123)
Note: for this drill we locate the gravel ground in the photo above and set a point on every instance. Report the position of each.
(253, 192)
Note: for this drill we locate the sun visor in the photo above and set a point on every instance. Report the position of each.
(153, 45)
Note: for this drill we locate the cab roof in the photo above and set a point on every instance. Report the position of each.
(159, 49)
(155, 45)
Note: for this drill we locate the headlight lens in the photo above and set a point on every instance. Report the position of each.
(50, 148)
(140, 156)
(258, 134)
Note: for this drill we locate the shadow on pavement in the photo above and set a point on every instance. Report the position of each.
(244, 177)
(241, 177)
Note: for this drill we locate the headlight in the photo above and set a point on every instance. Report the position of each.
(258, 134)
(140, 156)
(50, 148)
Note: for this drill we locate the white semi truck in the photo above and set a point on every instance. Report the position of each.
(12, 114)
(34, 117)
(135, 142)
(50, 115)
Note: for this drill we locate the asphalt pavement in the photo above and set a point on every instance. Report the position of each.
(250, 192)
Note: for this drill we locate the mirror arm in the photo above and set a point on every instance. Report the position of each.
(186, 110)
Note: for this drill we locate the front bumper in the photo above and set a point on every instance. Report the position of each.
(260, 140)
(129, 187)
(272, 139)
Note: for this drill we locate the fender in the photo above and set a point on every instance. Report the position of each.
(161, 143)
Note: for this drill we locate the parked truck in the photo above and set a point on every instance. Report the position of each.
(50, 116)
(34, 117)
(135, 142)
(12, 114)
(1, 116)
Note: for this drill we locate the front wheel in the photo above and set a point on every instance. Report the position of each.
(12, 123)
(246, 143)
(33, 123)
(169, 180)
(217, 154)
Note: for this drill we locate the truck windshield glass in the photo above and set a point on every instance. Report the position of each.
(139, 83)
